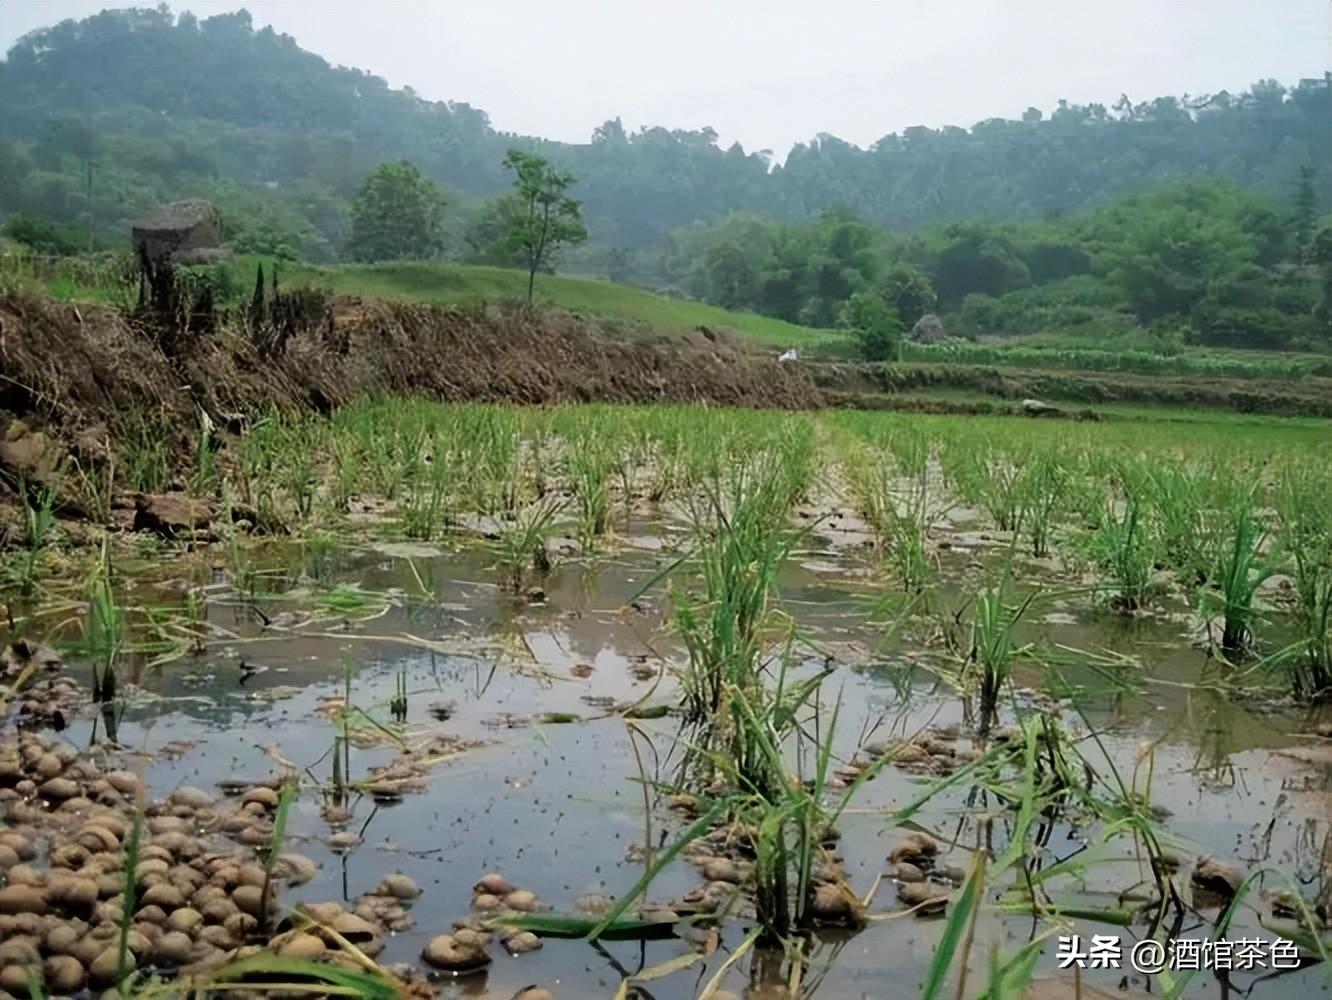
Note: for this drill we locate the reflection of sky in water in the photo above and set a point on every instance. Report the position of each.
(557, 808)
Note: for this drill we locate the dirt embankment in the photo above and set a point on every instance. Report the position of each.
(67, 369)
(874, 386)
(70, 366)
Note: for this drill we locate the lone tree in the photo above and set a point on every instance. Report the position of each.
(539, 217)
(397, 215)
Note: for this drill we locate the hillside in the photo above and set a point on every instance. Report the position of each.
(160, 106)
(467, 285)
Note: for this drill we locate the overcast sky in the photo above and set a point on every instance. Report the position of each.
(770, 73)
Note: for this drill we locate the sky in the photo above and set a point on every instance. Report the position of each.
(770, 74)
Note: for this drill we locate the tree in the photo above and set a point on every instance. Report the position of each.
(1173, 254)
(483, 236)
(1304, 214)
(910, 293)
(539, 216)
(397, 214)
(44, 236)
(1320, 254)
(878, 330)
(732, 278)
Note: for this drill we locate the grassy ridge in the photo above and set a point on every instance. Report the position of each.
(96, 280)
(454, 283)
(1204, 363)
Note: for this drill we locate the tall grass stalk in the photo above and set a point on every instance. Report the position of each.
(273, 850)
(129, 892)
(104, 629)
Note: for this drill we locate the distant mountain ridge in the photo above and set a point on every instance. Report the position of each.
(107, 115)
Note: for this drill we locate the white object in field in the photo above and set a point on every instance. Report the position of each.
(789, 356)
(1036, 406)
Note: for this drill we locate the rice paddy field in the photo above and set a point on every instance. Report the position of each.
(673, 703)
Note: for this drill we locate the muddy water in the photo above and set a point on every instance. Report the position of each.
(558, 806)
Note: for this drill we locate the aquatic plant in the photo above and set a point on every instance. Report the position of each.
(129, 890)
(1042, 491)
(588, 463)
(899, 513)
(994, 646)
(273, 850)
(104, 629)
(1305, 531)
(1242, 567)
(1122, 544)
(522, 541)
(38, 520)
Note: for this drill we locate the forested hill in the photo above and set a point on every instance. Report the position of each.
(147, 105)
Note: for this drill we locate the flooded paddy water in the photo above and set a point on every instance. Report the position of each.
(403, 711)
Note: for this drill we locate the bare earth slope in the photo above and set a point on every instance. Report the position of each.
(78, 365)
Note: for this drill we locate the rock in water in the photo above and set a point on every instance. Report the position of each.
(443, 952)
(1217, 877)
(925, 898)
(171, 515)
(495, 884)
(917, 849)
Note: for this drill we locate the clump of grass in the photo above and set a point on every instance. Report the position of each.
(522, 541)
(38, 520)
(1122, 544)
(994, 646)
(1306, 535)
(899, 515)
(398, 703)
(104, 629)
(588, 463)
(1042, 491)
(144, 443)
(1242, 567)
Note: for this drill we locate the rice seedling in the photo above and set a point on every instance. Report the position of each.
(522, 541)
(899, 512)
(739, 555)
(588, 464)
(104, 629)
(1178, 493)
(1122, 544)
(996, 481)
(398, 704)
(1305, 528)
(487, 438)
(993, 647)
(424, 507)
(1042, 491)
(1242, 566)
